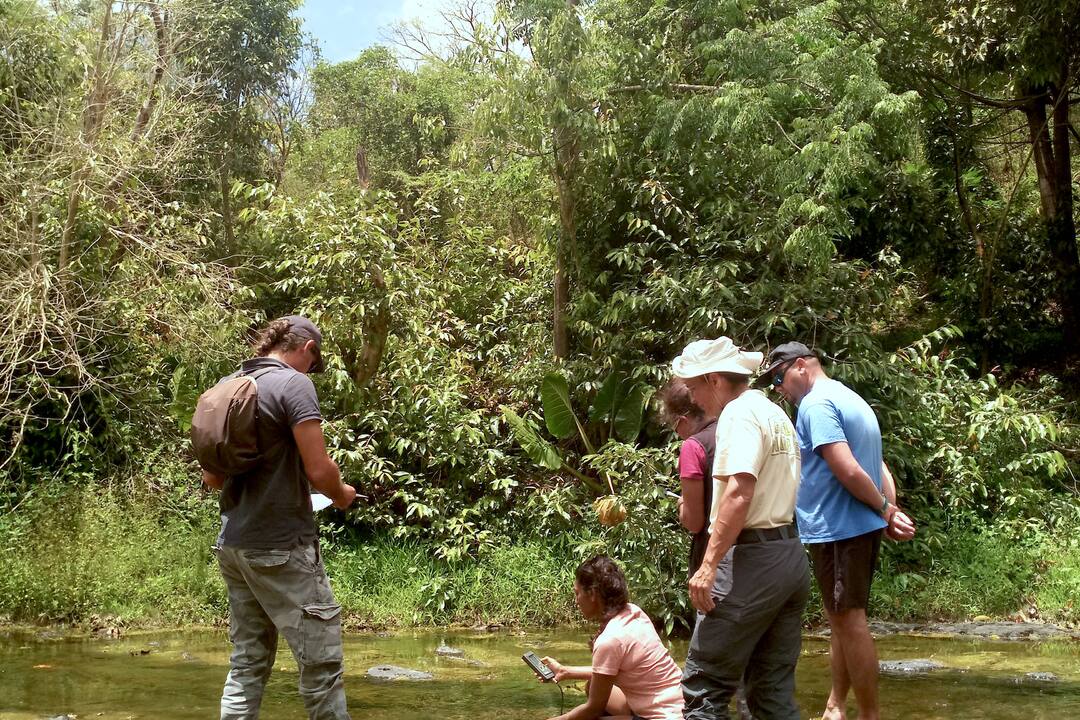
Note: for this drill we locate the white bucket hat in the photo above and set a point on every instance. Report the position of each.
(719, 355)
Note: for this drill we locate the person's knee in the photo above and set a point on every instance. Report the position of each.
(848, 621)
(704, 688)
(252, 660)
(318, 681)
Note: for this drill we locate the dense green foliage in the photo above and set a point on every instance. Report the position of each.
(765, 170)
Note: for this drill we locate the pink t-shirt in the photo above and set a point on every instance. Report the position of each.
(630, 649)
(692, 461)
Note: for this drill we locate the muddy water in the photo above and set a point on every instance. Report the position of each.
(178, 676)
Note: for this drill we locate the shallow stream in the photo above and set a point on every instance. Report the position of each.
(178, 676)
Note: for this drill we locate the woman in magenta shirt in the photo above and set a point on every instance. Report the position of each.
(697, 429)
(632, 674)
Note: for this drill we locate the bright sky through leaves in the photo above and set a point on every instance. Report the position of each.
(345, 27)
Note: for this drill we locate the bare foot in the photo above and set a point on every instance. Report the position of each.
(833, 713)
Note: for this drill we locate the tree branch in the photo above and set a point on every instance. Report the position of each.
(684, 87)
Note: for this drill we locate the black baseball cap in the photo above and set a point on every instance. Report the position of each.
(300, 325)
(782, 354)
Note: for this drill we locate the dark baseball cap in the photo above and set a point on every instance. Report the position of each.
(781, 354)
(300, 325)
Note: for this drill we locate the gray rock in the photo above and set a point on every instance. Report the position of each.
(447, 651)
(883, 628)
(909, 667)
(983, 629)
(998, 630)
(393, 672)
(1046, 677)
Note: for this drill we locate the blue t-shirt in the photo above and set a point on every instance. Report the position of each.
(832, 412)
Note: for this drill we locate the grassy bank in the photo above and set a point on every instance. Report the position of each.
(101, 552)
(73, 555)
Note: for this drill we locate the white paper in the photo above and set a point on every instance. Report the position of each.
(320, 502)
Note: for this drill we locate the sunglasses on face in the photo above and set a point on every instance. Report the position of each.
(778, 378)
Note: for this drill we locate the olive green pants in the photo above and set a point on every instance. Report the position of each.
(286, 591)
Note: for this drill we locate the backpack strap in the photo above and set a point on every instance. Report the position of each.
(255, 375)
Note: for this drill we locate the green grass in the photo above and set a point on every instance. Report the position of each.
(991, 571)
(112, 552)
(96, 552)
(387, 583)
(1058, 589)
(106, 553)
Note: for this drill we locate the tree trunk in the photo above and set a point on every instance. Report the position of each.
(565, 159)
(363, 365)
(1061, 232)
(983, 252)
(226, 201)
(560, 337)
(160, 19)
(363, 174)
(1053, 168)
(93, 112)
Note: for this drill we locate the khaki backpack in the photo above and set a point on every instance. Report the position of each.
(224, 428)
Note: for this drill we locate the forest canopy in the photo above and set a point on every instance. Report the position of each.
(533, 196)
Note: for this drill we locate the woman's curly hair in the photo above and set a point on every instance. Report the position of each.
(276, 336)
(676, 401)
(601, 575)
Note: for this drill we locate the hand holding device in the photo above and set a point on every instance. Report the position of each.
(542, 671)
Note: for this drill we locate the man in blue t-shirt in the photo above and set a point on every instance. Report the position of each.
(846, 499)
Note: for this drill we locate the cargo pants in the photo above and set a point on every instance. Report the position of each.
(286, 591)
(752, 635)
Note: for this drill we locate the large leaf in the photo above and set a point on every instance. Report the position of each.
(539, 450)
(607, 397)
(628, 415)
(558, 413)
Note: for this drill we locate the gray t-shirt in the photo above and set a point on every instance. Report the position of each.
(269, 507)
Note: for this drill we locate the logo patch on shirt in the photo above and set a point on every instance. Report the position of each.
(783, 438)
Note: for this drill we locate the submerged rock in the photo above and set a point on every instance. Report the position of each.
(393, 672)
(909, 667)
(447, 651)
(471, 662)
(1047, 677)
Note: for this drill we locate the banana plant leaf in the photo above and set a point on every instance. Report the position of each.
(629, 414)
(607, 398)
(539, 450)
(558, 412)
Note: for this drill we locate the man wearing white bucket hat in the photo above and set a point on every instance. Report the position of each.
(754, 581)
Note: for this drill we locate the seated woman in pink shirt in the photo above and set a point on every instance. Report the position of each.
(632, 673)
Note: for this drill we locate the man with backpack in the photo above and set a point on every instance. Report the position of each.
(258, 436)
